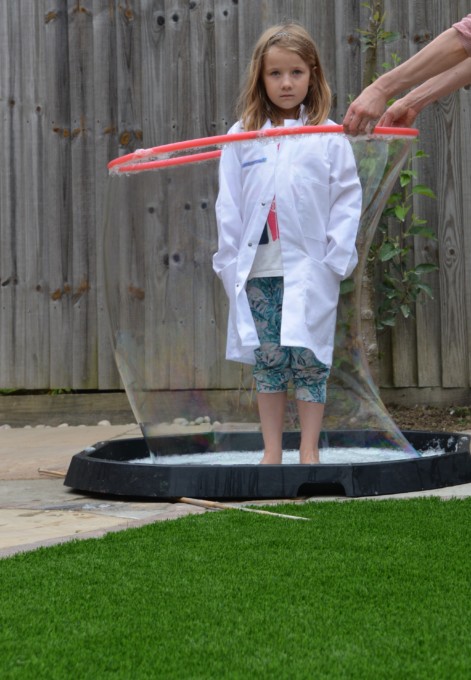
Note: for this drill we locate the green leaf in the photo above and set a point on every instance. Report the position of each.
(347, 286)
(388, 251)
(406, 311)
(419, 230)
(425, 268)
(426, 289)
(390, 281)
(406, 177)
(390, 36)
(423, 190)
(417, 220)
(401, 212)
(411, 277)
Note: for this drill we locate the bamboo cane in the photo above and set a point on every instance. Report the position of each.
(216, 505)
(52, 473)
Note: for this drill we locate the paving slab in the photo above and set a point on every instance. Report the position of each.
(36, 509)
(25, 451)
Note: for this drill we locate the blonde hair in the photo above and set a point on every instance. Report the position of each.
(254, 106)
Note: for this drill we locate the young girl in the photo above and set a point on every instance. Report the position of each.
(287, 215)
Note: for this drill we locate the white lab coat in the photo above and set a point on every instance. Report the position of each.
(318, 205)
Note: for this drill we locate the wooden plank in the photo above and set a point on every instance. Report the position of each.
(465, 126)
(123, 268)
(156, 80)
(456, 13)
(450, 234)
(347, 74)
(10, 122)
(127, 232)
(14, 279)
(156, 130)
(403, 335)
(253, 18)
(199, 219)
(227, 76)
(226, 57)
(181, 266)
(106, 148)
(33, 159)
(427, 311)
(320, 22)
(452, 261)
(57, 209)
(158, 332)
(177, 111)
(81, 71)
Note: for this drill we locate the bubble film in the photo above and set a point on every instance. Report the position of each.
(167, 309)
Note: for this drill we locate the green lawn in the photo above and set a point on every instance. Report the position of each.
(366, 589)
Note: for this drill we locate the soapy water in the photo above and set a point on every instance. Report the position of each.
(328, 456)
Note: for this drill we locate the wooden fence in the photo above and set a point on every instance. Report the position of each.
(83, 81)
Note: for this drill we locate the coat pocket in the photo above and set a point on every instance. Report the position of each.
(321, 301)
(312, 204)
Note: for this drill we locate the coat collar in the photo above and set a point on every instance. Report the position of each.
(290, 122)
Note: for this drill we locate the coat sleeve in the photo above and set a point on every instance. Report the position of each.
(345, 209)
(228, 210)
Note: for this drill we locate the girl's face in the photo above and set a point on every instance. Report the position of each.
(286, 78)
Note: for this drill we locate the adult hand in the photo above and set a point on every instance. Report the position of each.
(363, 113)
(399, 114)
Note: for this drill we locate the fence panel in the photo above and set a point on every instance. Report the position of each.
(92, 79)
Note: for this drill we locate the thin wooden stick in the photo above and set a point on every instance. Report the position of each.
(52, 473)
(215, 505)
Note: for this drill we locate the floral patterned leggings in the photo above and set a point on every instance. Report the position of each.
(276, 365)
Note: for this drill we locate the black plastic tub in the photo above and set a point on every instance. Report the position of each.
(105, 468)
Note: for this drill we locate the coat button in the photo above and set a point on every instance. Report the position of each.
(250, 244)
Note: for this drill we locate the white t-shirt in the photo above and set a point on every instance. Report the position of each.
(267, 260)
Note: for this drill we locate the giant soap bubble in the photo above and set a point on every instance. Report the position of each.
(198, 413)
(168, 311)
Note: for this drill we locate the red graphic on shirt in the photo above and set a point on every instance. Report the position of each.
(273, 222)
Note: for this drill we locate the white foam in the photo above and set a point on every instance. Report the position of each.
(334, 455)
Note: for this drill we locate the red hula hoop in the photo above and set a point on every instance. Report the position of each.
(134, 162)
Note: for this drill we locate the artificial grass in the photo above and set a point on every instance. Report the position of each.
(370, 589)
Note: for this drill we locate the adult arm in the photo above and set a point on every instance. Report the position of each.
(404, 111)
(443, 53)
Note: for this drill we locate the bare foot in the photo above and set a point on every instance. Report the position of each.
(270, 459)
(309, 458)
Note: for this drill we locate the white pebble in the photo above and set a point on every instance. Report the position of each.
(5, 427)
(105, 423)
(180, 421)
(63, 425)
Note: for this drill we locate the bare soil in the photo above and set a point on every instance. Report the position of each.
(432, 418)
